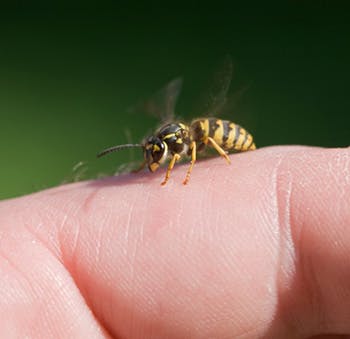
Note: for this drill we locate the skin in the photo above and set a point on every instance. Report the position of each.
(256, 249)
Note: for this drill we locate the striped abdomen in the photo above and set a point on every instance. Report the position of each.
(227, 134)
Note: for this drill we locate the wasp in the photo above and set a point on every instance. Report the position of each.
(174, 140)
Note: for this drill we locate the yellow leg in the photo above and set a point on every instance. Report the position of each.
(175, 158)
(193, 160)
(219, 149)
(140, 168)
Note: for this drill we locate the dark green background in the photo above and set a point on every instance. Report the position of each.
(67, 76)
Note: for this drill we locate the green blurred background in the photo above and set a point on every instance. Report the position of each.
(68, 75)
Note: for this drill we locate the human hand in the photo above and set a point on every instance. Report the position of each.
(258, 249)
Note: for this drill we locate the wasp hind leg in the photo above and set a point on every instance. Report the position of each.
(218, 148)
(175, 158)
(193, 148)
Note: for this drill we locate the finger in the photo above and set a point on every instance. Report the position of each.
(38, 297)
(236, 252)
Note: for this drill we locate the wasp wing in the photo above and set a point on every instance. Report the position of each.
(161, 104)
(218, 101)
(214, 97)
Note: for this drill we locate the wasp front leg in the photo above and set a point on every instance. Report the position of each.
(140, 168)
(173, 160)
(193, 148)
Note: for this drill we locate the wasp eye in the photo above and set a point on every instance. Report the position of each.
(154, 150)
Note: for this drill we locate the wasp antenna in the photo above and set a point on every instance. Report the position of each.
(116, 148)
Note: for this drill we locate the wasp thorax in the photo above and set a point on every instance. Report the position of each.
(155, 152)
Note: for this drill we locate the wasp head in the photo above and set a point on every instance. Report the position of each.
(155, 152)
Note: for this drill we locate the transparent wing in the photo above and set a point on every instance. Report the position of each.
(231, 101)
(218, 101)
(214, 97)
(79, 172)
(162, 104)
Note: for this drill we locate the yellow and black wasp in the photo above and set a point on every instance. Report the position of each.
(176, 139)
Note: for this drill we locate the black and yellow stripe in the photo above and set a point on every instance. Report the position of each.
(226, 134)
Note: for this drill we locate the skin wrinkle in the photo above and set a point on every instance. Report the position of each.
(347, 168)
(98, 245)
(127, 232)
(283, 192)
(142, 224)
(283, 187)
(310, 285)
(340, 164)
(47, 211)
(133, 262)
(187, 234)
(211, 191)
(269, 210)
(74, 246)
(207, 198)
(38, 238)
(84, 208)
(89, 200)
(307, 267)
(305, 273)
(180, 208)
(50, 302)
(16, 269)
(74, 253)
(217, 216)
(272, 231)
(252, 332)
(57, 287)
(70, 254)
(202, 220)
(129, 249)
(16, 266)
(212, 187)
(36, 292)
(36, 226)
(335, 232)
(141, 236)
